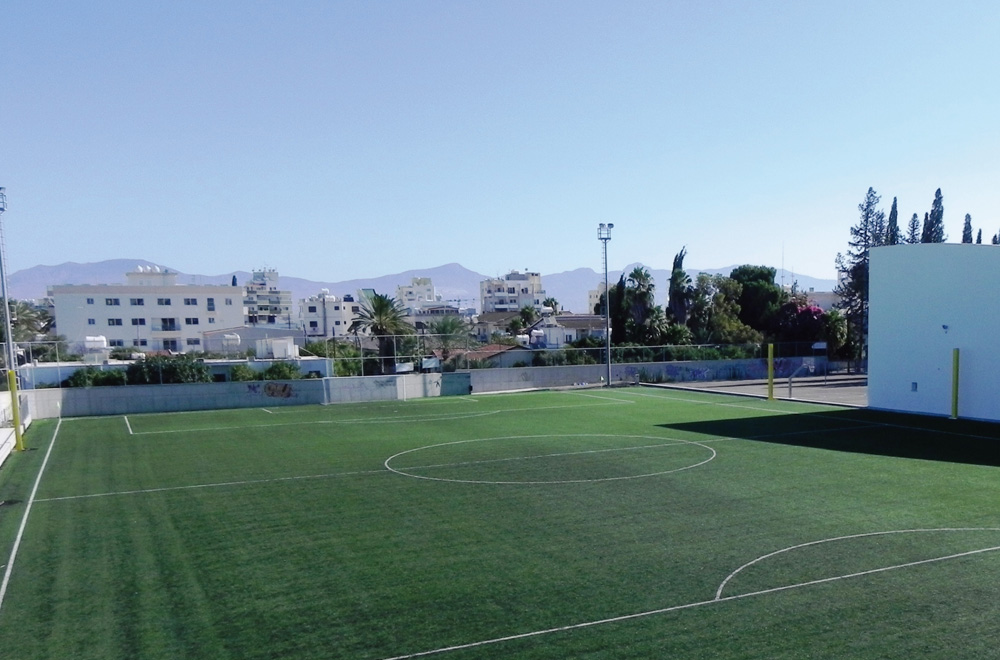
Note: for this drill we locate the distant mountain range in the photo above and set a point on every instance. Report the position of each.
(454, 282)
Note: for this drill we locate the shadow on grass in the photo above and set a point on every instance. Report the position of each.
(865, 432)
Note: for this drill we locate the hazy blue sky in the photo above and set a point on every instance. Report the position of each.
(334, 140)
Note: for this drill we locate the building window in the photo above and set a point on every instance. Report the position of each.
(355, 309)
(336, 308)
(168, 325)
(116, 342)
(312, 308)
(190, 301)
(191, 321)
(112, 302)
(336, 322)
(90, 301)
(138, 342)
(211, 304)
(193, 342)
(211, 319)
(313, 324)
(114, 321)
(229, 301)
(91, 322)
(163, 301)
(170, 344)
(136, 301)
(138, 321)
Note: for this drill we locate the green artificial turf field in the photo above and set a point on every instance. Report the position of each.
(630, 523)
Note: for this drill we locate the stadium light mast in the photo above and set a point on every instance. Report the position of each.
(8, 329)
(604, 235)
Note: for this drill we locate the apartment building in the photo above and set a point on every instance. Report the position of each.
(150, 312)
(327, 316)
(265, 303)
(512, 292)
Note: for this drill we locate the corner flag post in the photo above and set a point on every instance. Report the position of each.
(770, 372)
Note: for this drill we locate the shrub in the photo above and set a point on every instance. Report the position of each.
(282, 371)
(241, 373)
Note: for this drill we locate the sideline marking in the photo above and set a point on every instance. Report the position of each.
(212, 485)
(676, 442)
(717, 599)
(267, 411)
(128, 425)
(24, 518)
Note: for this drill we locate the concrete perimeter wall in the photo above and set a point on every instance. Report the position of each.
(8, 439)
(133, 399)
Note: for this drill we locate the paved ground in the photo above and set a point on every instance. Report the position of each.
(841, 389)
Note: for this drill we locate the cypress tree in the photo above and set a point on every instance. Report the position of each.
(934, 221)
(892, 229)
(979, 237)
(967, 229)
(913, 230)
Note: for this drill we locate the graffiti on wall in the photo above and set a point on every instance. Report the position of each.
(273, 390)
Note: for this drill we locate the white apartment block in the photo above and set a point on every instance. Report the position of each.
(326, 316)
(594, 298)
(151, 312)
(512, 292)
(420, 293)
(266, 304)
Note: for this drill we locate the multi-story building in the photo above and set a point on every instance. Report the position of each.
(149, 312)
(265, 303)
(512, 292)
(327, 316)
(418, 294)
(594, 299)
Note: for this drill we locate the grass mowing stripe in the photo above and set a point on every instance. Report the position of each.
(24, 519)
(213, 485)
(686, 606)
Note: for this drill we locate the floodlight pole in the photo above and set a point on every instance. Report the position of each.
(604, 235)
(8, 328)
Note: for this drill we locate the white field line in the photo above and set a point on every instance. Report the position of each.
(382, 420)
(718, 593)
(128, 425)
(220, 484)
(686, 606)
(529, 458)
(403, 472)
(267, 411)
(24, 519)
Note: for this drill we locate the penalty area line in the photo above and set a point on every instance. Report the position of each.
(675, 608)
(128, 425)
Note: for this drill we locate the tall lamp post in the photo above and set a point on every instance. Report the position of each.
(604, 235)
(8, 328)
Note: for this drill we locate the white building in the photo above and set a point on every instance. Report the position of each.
(512, 292)
(325, 316)
(265, 303)
(925, 301)
(150, 312)
(594, 298)
(419, 293)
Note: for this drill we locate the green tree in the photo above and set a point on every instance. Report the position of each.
(892, 227)
(448, 333)
(967, 229)
(240, 373)
(760, 297)
(281, 371)
(382, 317)
(715, 312)
(834, 330)
(979, 237)
(528, 315)
(166, 369)
(680, 291)
(640, 303)
(553, 303)
(28, 322)
(934, 221)
(913, 230)
(853, 288)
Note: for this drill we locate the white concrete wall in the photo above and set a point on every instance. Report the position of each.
(925, 301)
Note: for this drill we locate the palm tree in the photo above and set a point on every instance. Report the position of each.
(382, 317)
(553, 303)
(451, 332)
(27, 321)
(641, 300)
